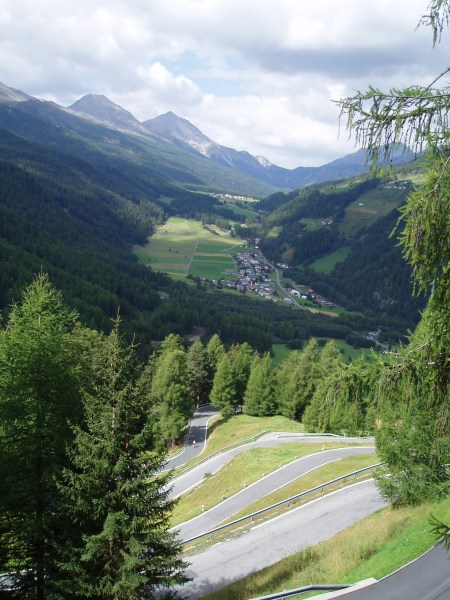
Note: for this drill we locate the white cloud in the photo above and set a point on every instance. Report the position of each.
(257, 76)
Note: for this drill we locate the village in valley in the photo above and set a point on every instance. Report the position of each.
(252, 274)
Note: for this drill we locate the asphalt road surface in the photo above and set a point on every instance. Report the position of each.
(427, 578)
(196, 439)
(264, 486)
(194, 477)
(268, 543)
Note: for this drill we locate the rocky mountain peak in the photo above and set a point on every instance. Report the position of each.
(102, 109)
(8, 94)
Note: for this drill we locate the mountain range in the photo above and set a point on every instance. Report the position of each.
(81, 186)
(179, 149)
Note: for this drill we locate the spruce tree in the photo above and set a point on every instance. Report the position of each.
(172, 400)
(197, 372)
(259, 398)
(214, 351)
(223, 393)
(39, 397)
(113, 492)
(241, 356)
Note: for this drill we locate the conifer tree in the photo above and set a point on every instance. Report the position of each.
(223, 393)
(197, 372)
(241, 356)
(300, 383)
(171, 342)
(259, 398)
(413, 436)
(172, 400)
(39, 397)
(214, 352)
(113, 492)
(344, 399)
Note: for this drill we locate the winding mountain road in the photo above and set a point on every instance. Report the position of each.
(262, 487)
(268, 543)
(193, 477)
(427, 578)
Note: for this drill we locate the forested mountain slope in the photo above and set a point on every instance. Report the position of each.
(74, 134)
(337, 239)
(77, 222)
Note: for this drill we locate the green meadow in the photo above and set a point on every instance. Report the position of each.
(326, 264)
(369, 208)
(183, 247)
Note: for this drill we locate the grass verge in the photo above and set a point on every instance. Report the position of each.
(373, 547)
(238, 429)
(245, 469)
(224, 431)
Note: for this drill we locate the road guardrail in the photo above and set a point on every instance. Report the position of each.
(251, 516)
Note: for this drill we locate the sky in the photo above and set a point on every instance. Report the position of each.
(254, 75)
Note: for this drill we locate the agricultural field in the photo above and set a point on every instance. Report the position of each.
(183, 247)
(282, 351)
(370, 207)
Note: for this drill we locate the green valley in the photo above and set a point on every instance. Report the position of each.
(186, 247)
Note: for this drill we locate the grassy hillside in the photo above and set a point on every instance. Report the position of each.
(373, 547)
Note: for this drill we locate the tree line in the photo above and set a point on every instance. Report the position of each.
(85, 428)
(84, 507)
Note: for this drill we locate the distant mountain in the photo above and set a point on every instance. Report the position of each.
(10, 95)
(103, 110)
(180, 150)
(110, 131)
(182, 133)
